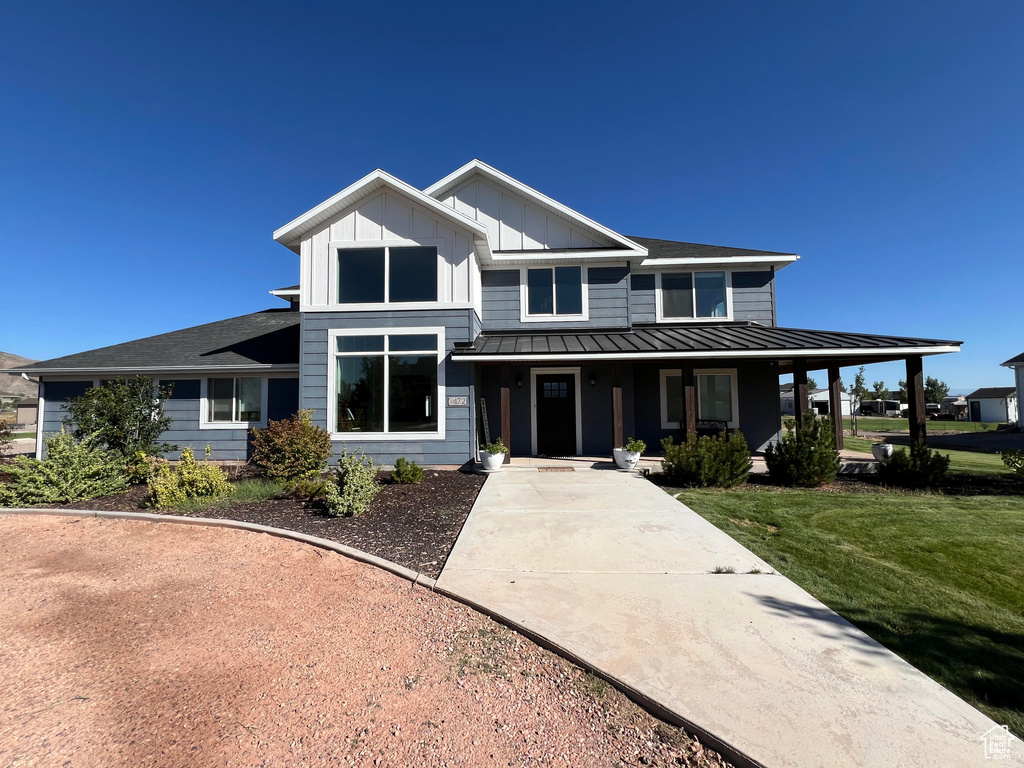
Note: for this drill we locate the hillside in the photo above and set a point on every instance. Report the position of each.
(13, 384)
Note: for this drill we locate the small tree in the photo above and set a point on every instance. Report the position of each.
(935, 391)
(881, 391)
(902, 394)
(123, 415)
(811, 384)
(858, 393)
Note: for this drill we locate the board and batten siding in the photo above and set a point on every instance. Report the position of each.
(607, 295)
(387, 217)
(456, 448)
(753, 297)
(516, 224)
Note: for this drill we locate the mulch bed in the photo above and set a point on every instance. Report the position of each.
(412, 525)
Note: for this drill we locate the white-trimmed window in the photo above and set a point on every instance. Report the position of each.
(716, 393)
(233, 401)
(553, 293)
(386, 383)
(386, 274)
(694, 295)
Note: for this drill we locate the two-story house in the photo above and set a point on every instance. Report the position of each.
(426, 321)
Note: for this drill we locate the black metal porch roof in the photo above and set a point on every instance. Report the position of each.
(719, 340)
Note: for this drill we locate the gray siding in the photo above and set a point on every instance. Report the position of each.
(607, 295)
(753, 297)
(457, 446)
(56, 394)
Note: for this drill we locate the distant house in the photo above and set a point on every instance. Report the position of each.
(1017, 364)
(27, 411)
(819, 401)
(955, 406)
(994, 404)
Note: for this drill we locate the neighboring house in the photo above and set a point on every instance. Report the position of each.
(26, 412)
(993, 404)
(819, 401)
(425, 321)
(955, 406)
(1017, 364)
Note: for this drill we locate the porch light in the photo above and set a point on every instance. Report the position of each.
(592, 381)
(519, 381)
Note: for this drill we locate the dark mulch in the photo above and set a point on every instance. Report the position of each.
(412, 525)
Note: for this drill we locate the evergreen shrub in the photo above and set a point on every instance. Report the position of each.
(717, 461)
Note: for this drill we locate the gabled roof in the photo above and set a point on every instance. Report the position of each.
(992, 393)
(1013, 362)
(676, 253)
(292, 233)
(263, 340)
(441, 188)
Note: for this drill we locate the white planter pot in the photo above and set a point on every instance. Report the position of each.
(625, 459)
(492, 461)
(882, 451)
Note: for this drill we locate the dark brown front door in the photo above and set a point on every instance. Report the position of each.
(556, 414)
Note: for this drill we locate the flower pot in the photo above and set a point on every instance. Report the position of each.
(882, 451)
(492, 461)
(625, 459)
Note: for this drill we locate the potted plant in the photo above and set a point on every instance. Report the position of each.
(882, 451)
(492, 455)
(628, 456)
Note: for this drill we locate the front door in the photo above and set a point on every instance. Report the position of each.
(975, 410)
(556, 414)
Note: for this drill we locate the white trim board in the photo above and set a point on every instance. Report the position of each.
(534, 372)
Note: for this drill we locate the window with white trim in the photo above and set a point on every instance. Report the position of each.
(715, 391)
(554, 292)
(693, 295)
(387, 383)
(234, 400)
(389, 274)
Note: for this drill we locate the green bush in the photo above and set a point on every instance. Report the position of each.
(353, 487)
(189, 480)
(496, 447)
(635, 446)
(6, 442)
(308, 490)
(292, 448)
(1014, 460)
(806, 457)
(919, 468)
(125, 415)
(70, 472)
(708, 461)
(406, 471)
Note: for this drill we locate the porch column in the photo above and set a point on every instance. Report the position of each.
(617, 437)
(799, 391)
(835, 405)
(689, 400)
(506, 412)
(915, 400)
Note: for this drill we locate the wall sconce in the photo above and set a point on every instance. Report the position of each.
(592, 381)
(519, 381)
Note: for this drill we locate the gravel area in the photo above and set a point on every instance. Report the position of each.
(127, 643)
(412, 525)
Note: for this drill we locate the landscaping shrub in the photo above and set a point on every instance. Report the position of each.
(71, 471)
(292, 448)
(919, 468)
(709, 461)
(6, 443)
(308, 490)
(189, 480)
(406, 471)
(806, 457)
(634, 445)
(494, 448)
(125, 415)
(1014, 460)
(353, 487)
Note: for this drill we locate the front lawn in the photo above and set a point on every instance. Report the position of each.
(937, 579)
(886, 424)
(971, 462)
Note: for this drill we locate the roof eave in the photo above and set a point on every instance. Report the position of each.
(778, 262)
(158, 368)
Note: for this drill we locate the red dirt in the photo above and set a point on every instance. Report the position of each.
(138, 644)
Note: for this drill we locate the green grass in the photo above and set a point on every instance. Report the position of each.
(883, 424)
(18, 435)
(254, 490)
(937, 579)
(969, 462)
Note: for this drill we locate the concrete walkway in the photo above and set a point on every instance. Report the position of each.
(614, 570)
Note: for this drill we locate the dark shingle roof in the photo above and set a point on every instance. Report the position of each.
(672, 249)
(1015, 361)
(696, 340)
(992, 393)
(268, 338)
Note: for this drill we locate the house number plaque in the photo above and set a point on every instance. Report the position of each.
(457, 401)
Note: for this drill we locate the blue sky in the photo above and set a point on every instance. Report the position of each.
(148, 150)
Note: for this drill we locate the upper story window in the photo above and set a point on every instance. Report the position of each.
(391, 274)
(554, 293)
(693, 295)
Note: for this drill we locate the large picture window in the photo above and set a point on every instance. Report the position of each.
(392, 274)
(693, 295)
(235, 400)
(387, 383)
(715, 391)
(554, 292)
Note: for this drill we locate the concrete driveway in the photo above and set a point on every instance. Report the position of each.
(611, 568)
